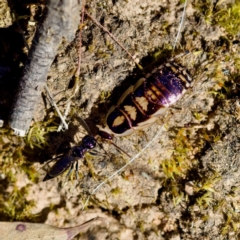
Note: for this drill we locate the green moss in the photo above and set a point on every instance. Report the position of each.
(140, 225)
(11, 152)
(104, 95)
(226, 16)
(172, 168)
(116, 191)
(13, 203)
(88, 158)
(231, 223)
(229, 18)
(17, 156)
(237, 62)
(206, 8)
(36, 137)
(205, 200)
(207, 184)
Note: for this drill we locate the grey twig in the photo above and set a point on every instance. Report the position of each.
(61, 19)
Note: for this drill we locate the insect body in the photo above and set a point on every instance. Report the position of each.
(140, 105)
(68, 160)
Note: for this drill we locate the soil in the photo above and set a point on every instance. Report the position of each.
(185, 185)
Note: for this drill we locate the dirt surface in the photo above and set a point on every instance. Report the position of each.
(185, 185)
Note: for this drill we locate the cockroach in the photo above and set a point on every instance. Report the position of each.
(138, 107)
(141, 104)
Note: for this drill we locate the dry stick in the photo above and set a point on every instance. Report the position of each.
(157, 134)
(56, 107)
(60, 127)
(60, 19)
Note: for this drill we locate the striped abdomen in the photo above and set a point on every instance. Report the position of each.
(148, 98)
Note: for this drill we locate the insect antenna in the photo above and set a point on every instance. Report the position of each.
(122, 168)
(84, 124)
(118, 148)
(77, 73)
(114, 38)
(180, 25)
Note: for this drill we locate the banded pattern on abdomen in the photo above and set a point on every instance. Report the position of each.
(148, 98)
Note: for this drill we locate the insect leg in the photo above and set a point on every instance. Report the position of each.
(51, 160)
(76, 170)
(70, 170)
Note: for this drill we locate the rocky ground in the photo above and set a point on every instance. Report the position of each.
(185, 185)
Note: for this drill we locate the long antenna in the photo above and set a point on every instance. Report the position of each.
(122, 168)
(114, 38)
(160, 130)
(180, 25)
(77, 73)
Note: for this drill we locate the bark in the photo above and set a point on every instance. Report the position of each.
(60, 19)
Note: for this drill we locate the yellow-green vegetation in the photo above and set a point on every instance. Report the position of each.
(205, 200)
(227, 206)
(166, 50)
(206, 7)
(205, 187)
(14, 205)
(178, 195)
(219, 76)
(11, 154)
(236, 59)
(232, 222)
(199, 116)
(229, 18)
(176, 168)
(104, 96)
(208, 184)
(141, 226)
(225, 15)
(116, 191)
(88, 158)
(101, 52)
(36, 137)
(16, 157)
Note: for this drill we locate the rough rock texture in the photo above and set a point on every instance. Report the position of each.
(186, 184)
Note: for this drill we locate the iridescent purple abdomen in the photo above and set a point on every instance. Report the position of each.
(148, 98)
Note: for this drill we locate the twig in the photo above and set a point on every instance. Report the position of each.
(64, 117)
(60, 19)
(56, 107)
